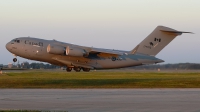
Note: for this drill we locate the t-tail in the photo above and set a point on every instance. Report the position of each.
(156, 41)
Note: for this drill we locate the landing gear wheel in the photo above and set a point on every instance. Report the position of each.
(86, 69)
(77, 69)
(69, 69)
(14, 59)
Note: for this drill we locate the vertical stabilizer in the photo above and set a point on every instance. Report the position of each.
(156, 41)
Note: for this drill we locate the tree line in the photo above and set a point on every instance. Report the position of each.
(27, 65)
(182, 66)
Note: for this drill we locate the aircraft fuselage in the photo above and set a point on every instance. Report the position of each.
(37, 49)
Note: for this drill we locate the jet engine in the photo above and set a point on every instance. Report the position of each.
(69, 51)
(54, 49)
(73, 51)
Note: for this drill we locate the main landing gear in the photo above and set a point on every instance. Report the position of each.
(86, 69)
(77, 69)
(69, 69)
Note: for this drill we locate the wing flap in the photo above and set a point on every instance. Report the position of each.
(106, 51)
(82, 65)
(69, 63)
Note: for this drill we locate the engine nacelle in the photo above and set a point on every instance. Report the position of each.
(55, 49)
(73, 51)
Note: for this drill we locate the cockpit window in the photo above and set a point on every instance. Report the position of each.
(16, 40)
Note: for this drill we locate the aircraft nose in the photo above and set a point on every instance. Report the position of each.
(8, 46)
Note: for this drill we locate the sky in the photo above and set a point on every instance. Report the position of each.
(113, 24)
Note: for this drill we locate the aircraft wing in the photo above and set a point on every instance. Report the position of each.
(105, 51)
(72, 63)
(91, 50)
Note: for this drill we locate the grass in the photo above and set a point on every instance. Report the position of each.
(115, 79)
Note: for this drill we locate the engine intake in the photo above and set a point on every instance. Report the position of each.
(54, 49)
(73, 51)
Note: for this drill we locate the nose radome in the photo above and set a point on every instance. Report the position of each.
(8, 45)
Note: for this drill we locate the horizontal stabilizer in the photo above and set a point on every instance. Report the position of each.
(177, 32)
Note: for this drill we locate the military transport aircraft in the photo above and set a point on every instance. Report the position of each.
(86, 58)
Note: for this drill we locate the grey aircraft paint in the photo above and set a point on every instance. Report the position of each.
(86, 58)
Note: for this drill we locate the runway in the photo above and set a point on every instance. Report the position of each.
(98, 100)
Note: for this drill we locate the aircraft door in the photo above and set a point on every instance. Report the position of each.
(27, 48)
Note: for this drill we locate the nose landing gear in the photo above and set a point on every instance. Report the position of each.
(14, 59)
